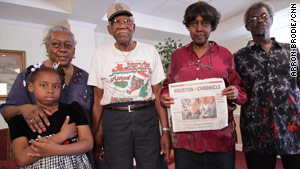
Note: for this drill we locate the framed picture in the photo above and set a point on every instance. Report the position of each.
(12, 62)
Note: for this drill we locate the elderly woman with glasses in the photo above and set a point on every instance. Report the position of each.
(202, 59)
(60, 47)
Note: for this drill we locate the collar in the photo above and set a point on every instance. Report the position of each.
(253, 44)
(214, 46)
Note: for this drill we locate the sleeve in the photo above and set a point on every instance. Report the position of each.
(18, 94)
(77, 115)
(236, 59)
(170, 73)
(94, 74)
(235, 80)
(17, 127)
(158, 74)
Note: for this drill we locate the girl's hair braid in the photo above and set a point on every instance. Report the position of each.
(36, 70)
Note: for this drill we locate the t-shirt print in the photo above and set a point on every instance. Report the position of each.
(131, 81)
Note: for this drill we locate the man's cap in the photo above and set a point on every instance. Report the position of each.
(116, 9)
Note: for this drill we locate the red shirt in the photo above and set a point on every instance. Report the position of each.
(181, 69)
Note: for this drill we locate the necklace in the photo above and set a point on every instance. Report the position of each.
(199, 64)
(126, 54)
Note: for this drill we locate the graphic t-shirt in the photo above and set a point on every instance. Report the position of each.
(126, 76)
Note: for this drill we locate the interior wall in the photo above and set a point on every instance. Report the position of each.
(25, 38)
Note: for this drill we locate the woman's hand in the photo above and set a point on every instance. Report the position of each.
(231, 92)
(166, 100)
(35, 116)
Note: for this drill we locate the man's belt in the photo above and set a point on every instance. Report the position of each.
(130, 107)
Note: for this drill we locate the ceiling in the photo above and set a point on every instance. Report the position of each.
(155, 19)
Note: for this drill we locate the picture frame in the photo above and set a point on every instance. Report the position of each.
(12, 62)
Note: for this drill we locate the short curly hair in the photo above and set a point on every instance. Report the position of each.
(47, 38)
(206, 11)
(258, 5)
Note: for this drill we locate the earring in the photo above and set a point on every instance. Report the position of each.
(73, 57)
(47, 54)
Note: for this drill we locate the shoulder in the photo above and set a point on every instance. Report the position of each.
(17, 118)
(79, 69)
(70, 108)
(241, 52)
(22, 74)
(80, 77)
(182, 49)
(221, 50)
(141, 44)
(145, 46)
(102, 51)
(105, 47)
(285, 46)
(16, 122)
(69, 105)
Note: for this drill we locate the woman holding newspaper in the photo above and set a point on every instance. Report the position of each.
(203, 59)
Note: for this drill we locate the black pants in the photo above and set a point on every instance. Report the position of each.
(256, 160)
(132, 134)
(185, 159)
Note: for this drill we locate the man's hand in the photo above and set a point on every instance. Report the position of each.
(165, 144)
(99, 142)
(35, 117)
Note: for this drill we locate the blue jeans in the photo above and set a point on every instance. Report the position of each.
(185, 159)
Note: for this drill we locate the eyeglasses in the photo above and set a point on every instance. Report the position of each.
(67, 45)
(127, 22)
(199, 64)
(255, 19)
(194, 24)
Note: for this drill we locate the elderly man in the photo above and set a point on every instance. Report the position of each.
(270, 119)
(129, 119)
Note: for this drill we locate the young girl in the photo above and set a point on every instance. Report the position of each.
(64, 142)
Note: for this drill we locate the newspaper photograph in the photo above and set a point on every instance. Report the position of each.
(198, 105)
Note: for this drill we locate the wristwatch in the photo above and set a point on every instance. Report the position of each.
(166, 129)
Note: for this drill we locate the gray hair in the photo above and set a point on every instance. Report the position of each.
(47, 39)
(258, 5)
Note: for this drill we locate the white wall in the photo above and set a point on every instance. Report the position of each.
(18, 36)
(84, 34)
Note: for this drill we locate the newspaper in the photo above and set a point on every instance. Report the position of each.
(198, 105)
